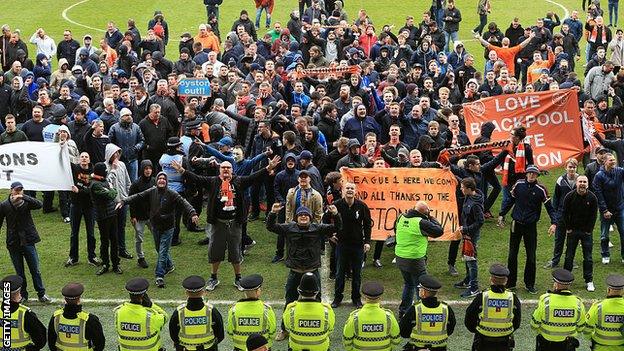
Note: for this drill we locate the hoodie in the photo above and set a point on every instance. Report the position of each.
(74, 154)
(140, 210)
(118, 177)
(472, 215)
(486, 136)
(40, 70)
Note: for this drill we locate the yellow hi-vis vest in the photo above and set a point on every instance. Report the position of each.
(604, 323)
(250, 317)
(19, 337)
(496, 317)
(196, 327)
(70, 333)
(430, 327)
(309, 324)
(372, 328)
(558, 317)
(138, 327)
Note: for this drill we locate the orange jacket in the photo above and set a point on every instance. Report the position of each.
(535, 70)
(209, 41)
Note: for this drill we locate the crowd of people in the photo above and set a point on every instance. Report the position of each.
(287, 110)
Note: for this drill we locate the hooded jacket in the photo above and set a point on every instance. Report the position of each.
(486, 136)
(102, 197)
(129, 138)
(58, 76)
(140, 209)
(21, 229)
(118, 177)
(472, 214)
(74, 154)
(284, 180)
(40, 70)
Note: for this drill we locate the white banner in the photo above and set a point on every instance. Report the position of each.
(37, 165)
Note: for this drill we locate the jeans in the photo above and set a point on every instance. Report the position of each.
(586, 244)
(491, 179)
(613, 13)
(122, 213)
(348, 255)
(482, 24)
(529, 233)
(617, 218)
(560, 238)
(212, 10)
(76, 211)
(448, 37)
(28, 253)
(139, 234)
(108, 241)
(259, 14)
(162, 243)
(472, 269)
(410, 284)
(133, 169)
(439, 15)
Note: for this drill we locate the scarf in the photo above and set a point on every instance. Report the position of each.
(446, 154)
(594, 35)
(301, 197)
(520, 162)
(299, 74)
(455, 139)
(227, 195)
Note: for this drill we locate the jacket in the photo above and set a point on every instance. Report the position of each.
(527, 205)
(452, 25)
(130, 140)
(597, 82)
(284, 181)
(21, 230)
(356, 223)
(562, 187)
(609, 189)
(140, 210)
(579, 212)
(103, 198)
(357, 128)
(472, 214)
(118, 177)
(303, 243)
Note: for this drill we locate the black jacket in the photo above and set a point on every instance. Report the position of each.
(527, 203)
(356, 223)
(78, 130)
(21, 229)
(579, 211)
(103, 198)
(472, 214)
(140, 209)
(93, 329)
(304, 244)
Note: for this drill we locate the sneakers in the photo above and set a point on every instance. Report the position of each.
(591, 287)
(171, 269)
(125, 254)
(377, 263)
(70, 262)
(44, 299)
(103, 269)
(550, 264)
(469, 293)
(176, 243)
(332, 276)
(281, 335)
(610, 243)
(358, 304)
(363, 264)
(488, 215)
(277, 258)
(336, 303)
(204, 241)
(531, 290)
(452, 270)
(95, 262)
(66, 220)
(117, 270)
(606, 260)
(394, 260)
(142, 263)
(160, 282)
(212, 284)
(249, 246)
(461, 285)
(237, 284)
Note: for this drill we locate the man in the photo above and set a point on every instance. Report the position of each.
(95, 141)
(196, 324)
(67, 48)
(429, 323)
(11, 133)
(225, 210)
(412, 230)
(304, 239)
(27, 331)
(21, 237)
(598, 79)
(71, 328)
(352, 242)
(257, 342)
(139, 323)
(494, 314)
(577, 220)
(156, 130)
(163, 205)
(175, 180)
(527, 196)
(303, 195)
(284, 180)
(605, 319)
(353, 159)
(452, 17)
(371, 326)
(251, 315)
(559, 316)
(506, 53)
(308, 321)
(595, 166)
(608, 186)
(139, 212)
(45, 45)
(128, 136)
(118, 179)
(597, 34)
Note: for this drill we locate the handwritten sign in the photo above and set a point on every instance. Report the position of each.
(194, 87)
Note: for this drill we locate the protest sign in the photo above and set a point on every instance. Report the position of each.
(552, 120)
(389, 192)
(194, 87)
(37, 165)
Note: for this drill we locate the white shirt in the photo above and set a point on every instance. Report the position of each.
(44, 45)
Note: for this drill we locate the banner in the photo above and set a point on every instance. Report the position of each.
(194, 87)
(552, 120)
(37, 165)
(391, 191)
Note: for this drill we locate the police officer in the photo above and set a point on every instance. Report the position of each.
(257, 342)
(559, 316)
(195, 324)
(605, 319)
(371, 327)
(494, 314)
(27, 332)
(140, 321)
(71, 328)
(250, 315)
(308, 322)
(429, 323)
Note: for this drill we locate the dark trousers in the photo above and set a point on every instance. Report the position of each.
(376, 252)
(453, 250)
(303, 4)
(281, 242)
(560, 239)
(492, 180)
(108, 241)
(267, 184)
(348, 255)
(122, 214)
(292, 282)
(64, 203)
(542, 344)
(78, 210)
(29, 254)
(179, 211)
(48, 199)
(573, 240)
(529, 233)
(484, 343)
(482, 23)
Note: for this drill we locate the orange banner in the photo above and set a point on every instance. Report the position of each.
(391, 191)
(552, 120)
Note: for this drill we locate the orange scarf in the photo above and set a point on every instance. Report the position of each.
(520, 162)
(227, 195)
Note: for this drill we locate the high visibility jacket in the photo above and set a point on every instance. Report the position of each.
(139, 327)
(605, 320)
(70, 333)
(196, 327)
(249, 317)
(410, 243)
(309, 324)
(19, 337)
(430, 327)
(558, 316)
(496, 317)
(371, 328)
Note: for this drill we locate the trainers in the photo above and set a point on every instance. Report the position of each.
(237, 284)
(70, 262)
(125, 254)
(332, 276)
(550, 264)
(142, 263)
(176, 243)
(171, 269)
(606, 260)
(394, 260)
(249, 246)
(44, 299)
(117, 270)
(160, 282)
(103, 269)
(591, 287)
(377, 263)
(488, 215)
(363, 264)
(531, 290)
(357, 304)
(336, 303)
(66, 220)
(469, 293)
(212, 284)
(277, 258)
(610, 243)
(204, 241)
(281, 335)
(452, 270)
(461, 285)
(95, 262)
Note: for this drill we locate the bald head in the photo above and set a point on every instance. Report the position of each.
(422, 207)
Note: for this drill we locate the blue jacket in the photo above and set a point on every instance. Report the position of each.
(527, 203)
(412, 130)
(472, 218)
(241, 168)
(562, 188)
(130, 140)
(357, 128)
(609, 189)
(576, 28)
(284, 180)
